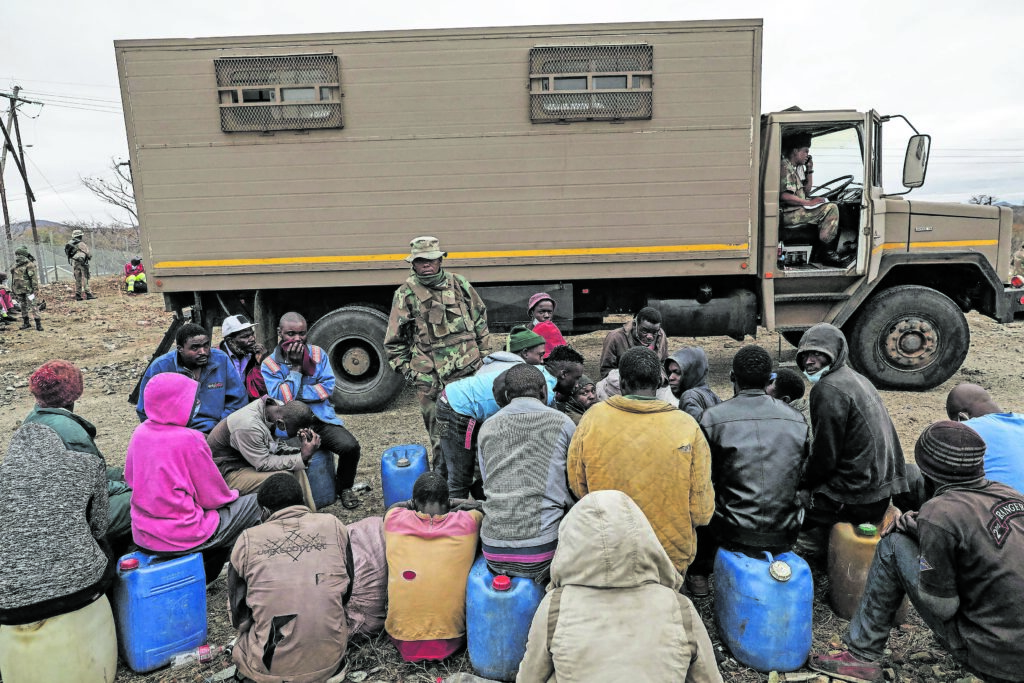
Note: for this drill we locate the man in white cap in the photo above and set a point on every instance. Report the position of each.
(437, 332)
(245, 353)
(79, 255)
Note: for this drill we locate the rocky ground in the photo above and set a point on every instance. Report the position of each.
(111, 339)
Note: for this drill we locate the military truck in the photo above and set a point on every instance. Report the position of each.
(611, 165)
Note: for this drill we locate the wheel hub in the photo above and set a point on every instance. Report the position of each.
(911, 343)
(356, 361)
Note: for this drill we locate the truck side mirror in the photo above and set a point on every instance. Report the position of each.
(915, 163)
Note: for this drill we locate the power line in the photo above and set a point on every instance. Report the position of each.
(59, 196)
(37, 80)
(64, 96)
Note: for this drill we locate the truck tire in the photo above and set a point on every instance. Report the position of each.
(353, 338)
(909, 338)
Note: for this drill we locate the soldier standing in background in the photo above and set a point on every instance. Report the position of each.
(437, 332)
(79, 256)
(25, 284)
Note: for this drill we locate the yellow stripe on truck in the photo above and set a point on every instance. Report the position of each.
(887, 246)
(520, 253)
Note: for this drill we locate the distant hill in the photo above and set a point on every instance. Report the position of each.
(22, 227)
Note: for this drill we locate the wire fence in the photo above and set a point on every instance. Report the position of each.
(54, 266)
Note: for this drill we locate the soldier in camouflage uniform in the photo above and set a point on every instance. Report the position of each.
(796, 209)
(79, 256)
(25, 282)
(437, 332)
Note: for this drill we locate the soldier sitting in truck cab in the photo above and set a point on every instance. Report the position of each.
(796, 209)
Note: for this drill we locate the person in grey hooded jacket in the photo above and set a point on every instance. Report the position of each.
(687, 371)
(856, 462)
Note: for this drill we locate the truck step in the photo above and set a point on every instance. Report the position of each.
(813, 296)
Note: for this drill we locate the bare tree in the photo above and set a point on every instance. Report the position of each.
(116, 189)
(984, 199)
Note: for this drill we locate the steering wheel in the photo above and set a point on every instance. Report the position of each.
(827, 191)
(851, 195)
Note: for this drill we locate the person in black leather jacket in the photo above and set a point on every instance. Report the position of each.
(758, 450)
(856, 463)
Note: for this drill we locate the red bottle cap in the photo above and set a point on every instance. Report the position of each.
(501, 583)
(128, 564)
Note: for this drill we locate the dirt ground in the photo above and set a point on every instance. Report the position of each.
(111, 339)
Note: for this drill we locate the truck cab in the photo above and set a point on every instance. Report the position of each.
(916, 266)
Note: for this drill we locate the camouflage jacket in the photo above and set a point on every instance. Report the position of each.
(78, 252)
(435, 336)
(24, 278)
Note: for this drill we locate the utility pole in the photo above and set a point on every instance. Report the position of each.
(8, 247)
(19, 158)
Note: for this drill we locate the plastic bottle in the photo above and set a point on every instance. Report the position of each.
(499, 611)
(204, 654)
(850, 552)
(400, 466)
(763, 609)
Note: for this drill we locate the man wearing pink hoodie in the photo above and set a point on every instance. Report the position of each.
(181, 504)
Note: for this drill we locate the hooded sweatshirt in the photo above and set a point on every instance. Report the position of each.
(695, 395)
(657, 455)
(53, 503)
(856, 456)
(177, 487)
(614, 595)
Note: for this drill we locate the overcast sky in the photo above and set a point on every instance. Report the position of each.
(955, 70)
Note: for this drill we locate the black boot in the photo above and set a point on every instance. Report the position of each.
(90, 295)
(39, 324)
(25, 324)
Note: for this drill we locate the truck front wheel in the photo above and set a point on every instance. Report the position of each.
(909, 338)
(353, 337)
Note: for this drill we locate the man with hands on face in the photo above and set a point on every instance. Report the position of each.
(245, 353)
(247, 452)
(297, 371)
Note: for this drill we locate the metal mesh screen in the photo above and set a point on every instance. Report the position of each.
(591, 82)
(282, 92)
(591, 59)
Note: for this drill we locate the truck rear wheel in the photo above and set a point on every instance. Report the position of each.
(353, 337)
(909, 337)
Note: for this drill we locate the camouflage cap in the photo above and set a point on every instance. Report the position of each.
(77, 233)
(22, 251)
(425, 247)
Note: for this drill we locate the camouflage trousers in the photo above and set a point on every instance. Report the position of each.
(29, 309)
(428, 408)
(82, 278)
(825, 216)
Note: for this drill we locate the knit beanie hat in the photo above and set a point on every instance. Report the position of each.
(56, 384)
(582, 383)
(537, 298)
(521, 338)
(950, 453)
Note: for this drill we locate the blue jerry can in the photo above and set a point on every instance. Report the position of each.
(763, 609)
(499, 611)
(159, 608)
(400, 466)
(320, 472)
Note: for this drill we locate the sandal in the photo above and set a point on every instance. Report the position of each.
(349, 499)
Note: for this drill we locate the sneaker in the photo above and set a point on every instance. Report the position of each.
(697, 586)
(846, 664)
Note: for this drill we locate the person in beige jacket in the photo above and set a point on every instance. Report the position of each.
(613, 610)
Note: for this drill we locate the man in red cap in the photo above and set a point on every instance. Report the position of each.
(958, 560)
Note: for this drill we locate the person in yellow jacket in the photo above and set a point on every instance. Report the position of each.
(651, 451)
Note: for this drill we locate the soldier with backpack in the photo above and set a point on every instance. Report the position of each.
(79, 255)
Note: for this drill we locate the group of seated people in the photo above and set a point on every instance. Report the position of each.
(617, 505)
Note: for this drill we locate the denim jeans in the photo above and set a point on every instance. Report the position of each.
(895, 572)
(458, 448)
